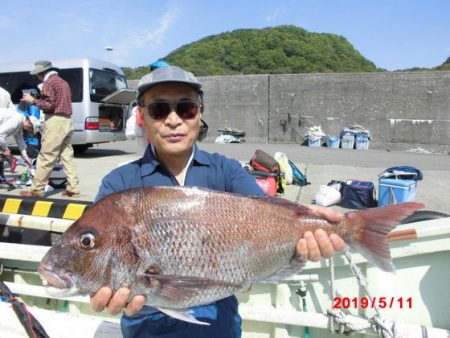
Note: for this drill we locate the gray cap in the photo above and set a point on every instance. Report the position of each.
(167, 74)
(41, 66)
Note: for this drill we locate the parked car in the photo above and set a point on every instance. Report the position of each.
(100, 96)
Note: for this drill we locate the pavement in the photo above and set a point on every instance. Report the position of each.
(320, 165)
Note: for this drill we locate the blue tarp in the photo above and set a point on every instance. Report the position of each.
(158, 64)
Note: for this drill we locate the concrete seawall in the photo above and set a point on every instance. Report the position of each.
(401, 110)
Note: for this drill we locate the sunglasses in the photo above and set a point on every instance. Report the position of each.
(159, 110)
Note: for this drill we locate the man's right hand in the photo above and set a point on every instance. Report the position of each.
(115, 303)
(6, 151)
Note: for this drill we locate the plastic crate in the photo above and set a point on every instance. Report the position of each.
(348, 141)
(362, 142)
(314, 142)
(333, 141)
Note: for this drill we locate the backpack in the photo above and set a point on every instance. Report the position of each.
(267, 172)
(298, 178)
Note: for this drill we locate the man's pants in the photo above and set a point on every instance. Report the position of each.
(58, 130)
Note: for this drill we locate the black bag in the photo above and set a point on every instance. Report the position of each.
(358, 195)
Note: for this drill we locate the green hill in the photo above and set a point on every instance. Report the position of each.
(277, 50)
(445, 65)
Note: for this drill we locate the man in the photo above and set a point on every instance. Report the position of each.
(170, 103)
(56, 103)
(12, 123)
(5, 99)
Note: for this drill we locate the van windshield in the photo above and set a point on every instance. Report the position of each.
(104, 82)
(15, 82)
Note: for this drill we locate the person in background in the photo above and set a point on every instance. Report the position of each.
(170, 102)
(32, 138)
(55, 102)
(5, 99)
(12, 123)
(134, 129)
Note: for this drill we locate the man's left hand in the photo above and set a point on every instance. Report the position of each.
(317, 245)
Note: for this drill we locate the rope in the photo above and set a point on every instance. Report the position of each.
(30, 324)
(331, 262)
(344, 322)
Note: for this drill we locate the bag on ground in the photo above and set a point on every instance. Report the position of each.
(285, 168)
(358, 194)
(261, 161)
(327, 196)
(298, 178)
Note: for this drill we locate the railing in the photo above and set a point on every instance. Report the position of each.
(68, 324)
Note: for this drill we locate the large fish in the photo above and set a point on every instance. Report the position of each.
(183, 247)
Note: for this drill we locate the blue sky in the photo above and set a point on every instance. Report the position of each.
(394, 34)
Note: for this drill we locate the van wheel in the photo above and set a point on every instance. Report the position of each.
(80, 148)
(424, 215)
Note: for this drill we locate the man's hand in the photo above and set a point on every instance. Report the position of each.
(317, 245)
(27, 160)
(115, 303)
(28, 98)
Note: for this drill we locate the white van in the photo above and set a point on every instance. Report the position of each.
(100, 97)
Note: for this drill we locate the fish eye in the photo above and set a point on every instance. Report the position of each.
(87, 241)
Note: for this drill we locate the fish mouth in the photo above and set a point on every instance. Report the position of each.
(61, 281)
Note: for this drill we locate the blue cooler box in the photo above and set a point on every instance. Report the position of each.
(393, 191)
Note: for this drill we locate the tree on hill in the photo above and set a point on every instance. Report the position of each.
(277, 50)
(445, 65)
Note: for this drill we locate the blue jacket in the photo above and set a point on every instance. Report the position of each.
(206, 170)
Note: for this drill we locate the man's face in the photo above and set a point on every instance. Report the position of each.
(172, 135)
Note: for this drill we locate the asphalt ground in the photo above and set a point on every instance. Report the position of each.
(320, 165)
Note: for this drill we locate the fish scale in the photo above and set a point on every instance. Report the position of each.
(186, 246)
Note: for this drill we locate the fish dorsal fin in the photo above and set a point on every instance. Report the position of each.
(299, 209)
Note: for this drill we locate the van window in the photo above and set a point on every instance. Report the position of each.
(103, 83)
(15, 82)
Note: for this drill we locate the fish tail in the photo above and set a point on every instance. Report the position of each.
(369, 229)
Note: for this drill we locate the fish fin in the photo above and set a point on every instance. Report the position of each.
(295, 266)
(375, 224)
(57, 292)
(182, 314)
(299, 209)
(175, 287)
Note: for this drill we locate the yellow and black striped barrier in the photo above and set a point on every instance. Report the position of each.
(45, 207)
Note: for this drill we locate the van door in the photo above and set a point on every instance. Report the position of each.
(104, 84)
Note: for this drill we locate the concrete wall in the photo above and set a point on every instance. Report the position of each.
(400, 109)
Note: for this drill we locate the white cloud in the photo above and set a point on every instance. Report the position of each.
(6, 22)
(150, 38)
(276, 15)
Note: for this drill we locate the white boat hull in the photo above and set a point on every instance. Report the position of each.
(416, 296)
